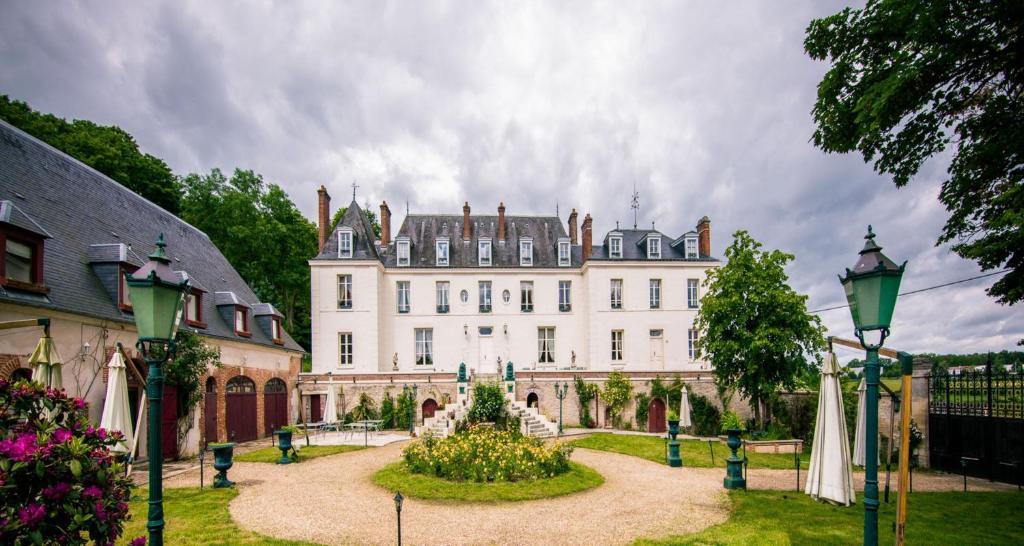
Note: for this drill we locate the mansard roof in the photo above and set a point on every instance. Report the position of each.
(634, 249)
(364, 243)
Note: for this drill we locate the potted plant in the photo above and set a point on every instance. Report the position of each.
(673, 422)
(222, 461)
(733, 427)
(284, 443)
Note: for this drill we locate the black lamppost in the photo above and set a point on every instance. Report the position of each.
(560, 392)
(871, 290)
(398, 512)
(158, 299)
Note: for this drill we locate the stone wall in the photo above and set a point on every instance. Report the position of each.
(259, 376)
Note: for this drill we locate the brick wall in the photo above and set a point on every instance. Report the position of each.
(259, 376)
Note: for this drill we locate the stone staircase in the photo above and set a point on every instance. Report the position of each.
(532, 422)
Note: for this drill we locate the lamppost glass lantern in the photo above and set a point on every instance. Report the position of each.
(872, 286)
(158, 299)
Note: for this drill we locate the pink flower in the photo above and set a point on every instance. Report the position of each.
(61, 435)
(57, 491)
(102, 433)
(31, 515)
(80, 404)
(138, 541)
(92, 492)
(20, 449)
(101, 514)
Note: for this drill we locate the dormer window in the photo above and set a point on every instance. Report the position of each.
(22, 265)
(345, 243)
(242, 321)
(194, 309)
(691, 247)
(403, 251)
(526, 252)
(484, 252)
(441, 252)
(564, 253)
(615, 246)
(275, 331)
(654, 248)
(124, 300)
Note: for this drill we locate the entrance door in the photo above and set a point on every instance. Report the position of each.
(487, 363)
(169, 423)
(656, 415)
(428, 408)
(657, 350)
(241, 409)
(275, 405)
(314, 409)
(210, 411)
(531, 400)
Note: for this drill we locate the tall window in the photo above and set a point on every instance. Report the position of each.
(485, 296)
(546, 345)
(484, 252)
(194, 309)
(654, 248)
(403, 252)
(564, 253)
(526, 296)
(691, 247)
(345, 349)
(275, 330)
(692, 296)
(404, 297)
(345, 243)
(442, 296)
(424, 346)
(616, 345)
(525, 252)
(441, 252)
(691, 336)
(241, 321)
(565, 295)
(616, 293)
(344, 291)
(615, 247)
(655, 292)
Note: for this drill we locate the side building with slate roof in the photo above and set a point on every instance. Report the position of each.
(68, 234)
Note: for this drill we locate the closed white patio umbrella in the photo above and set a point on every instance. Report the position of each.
(116, 410)
(830, 476)
(684, 409)
(860, 436)
(46, 363)
(331, 411)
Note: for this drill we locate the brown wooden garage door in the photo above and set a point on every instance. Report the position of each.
(275, 405)
(241, 409)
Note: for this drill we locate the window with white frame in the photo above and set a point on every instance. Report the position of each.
(403, 252)
(441, 252)
(526, 252)
(526, 296)
(615, 246)
(345, 243)
(485, 296)
(424, 346)
(692, 294)
(616, 293)
(442, 296)
(345, 349)
(617, 345)
(484, 252)
(691, 336)
(691, 247)
(546, 345)
(655, 293)
(564, 253)
(242, 321)
(404, 296)
(344, 291)
(654, 248)
(565, 296)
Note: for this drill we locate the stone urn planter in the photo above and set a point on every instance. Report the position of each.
(673, 428)
(284, 443)
(674, 459)
(734, 464)
(222, 455)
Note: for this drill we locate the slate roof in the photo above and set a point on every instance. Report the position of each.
(364, 243)
(79, 207)
(633, 249)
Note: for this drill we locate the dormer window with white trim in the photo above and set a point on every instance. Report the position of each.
(526, 251)
(615, 246)
(654, 248)
(691, 247)
(403, 251)
(564, 253)
(484, 252)
(345, 242)
(441, 247)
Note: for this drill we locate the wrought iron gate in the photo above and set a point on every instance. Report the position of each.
(976, 418)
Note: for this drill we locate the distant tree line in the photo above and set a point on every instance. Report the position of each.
(890, 368)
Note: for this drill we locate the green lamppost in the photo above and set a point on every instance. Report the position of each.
(158, 299)
(871, 289)
(560, 392)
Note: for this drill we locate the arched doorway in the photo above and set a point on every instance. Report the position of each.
(275, 405)
(210, 411)
(428, 408)
(656, 415)
(21, 374)
(532, 400)
(241, 409)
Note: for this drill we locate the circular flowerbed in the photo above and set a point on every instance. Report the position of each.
(484, 454)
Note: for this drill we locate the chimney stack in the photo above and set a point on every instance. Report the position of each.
(501, 221)
(704, 236)
(588, 237)
(465, 221)
(573, 239)
(324, 210)
(385, 225)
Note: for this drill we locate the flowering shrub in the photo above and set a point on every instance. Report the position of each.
(485, 454)
(59, 483)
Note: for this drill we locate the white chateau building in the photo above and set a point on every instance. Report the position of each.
(486, 290)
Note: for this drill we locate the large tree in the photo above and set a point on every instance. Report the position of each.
(754, 329)
(909, 79)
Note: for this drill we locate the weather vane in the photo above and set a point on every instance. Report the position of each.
(635, 204)
(354, 186)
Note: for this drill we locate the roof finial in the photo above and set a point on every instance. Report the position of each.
(354, 186)
(635, 205)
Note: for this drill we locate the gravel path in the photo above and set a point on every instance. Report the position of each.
(332, 500)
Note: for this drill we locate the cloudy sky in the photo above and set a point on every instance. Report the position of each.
(704, 107)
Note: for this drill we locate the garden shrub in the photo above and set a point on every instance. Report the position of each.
(486, 454)
(616, 394)
(387, 411)
(488, 403)
(705, 416)
(59, 482)
(585, 392)
(365, 409)
(405, 406)
(643, 401)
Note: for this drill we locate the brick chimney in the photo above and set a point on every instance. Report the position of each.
(573, 238)
(704, 236)
(501, 221)
(385, 225)
(465, 221)
(324, 213)
(588, 237)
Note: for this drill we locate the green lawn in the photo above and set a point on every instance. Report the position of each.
(695, 453)
(273, 454)
(775, 517)
(396, 477)
(196, 517)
